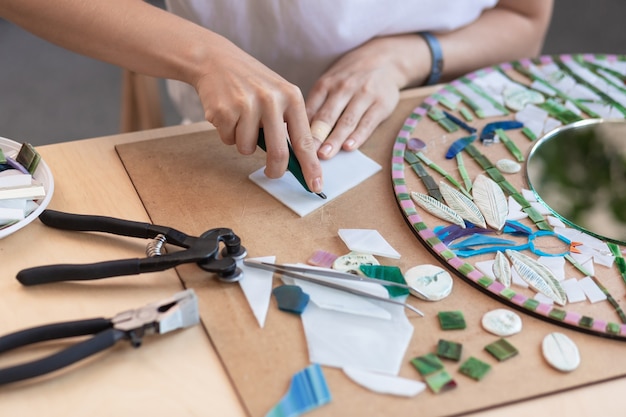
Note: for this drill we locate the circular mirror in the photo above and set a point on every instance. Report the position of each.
(579, 172)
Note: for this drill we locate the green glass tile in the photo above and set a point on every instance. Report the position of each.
(440, 382)
(496, 175)
(410, 211)
(465, 268)
(415, 116)
(420, 226)
(485, 281)
(388, 273)
(474, 368)
(501, 350)
(467, 115)
(529, 133)
(433, 240)
(399, 181)
(613, 328)
(403, 196)
(558, 314)
(448, 124)
(519, 199)
(586, 321)
(427, 364)
(411, 158)
(544, 225)
(436, 114)
(508, 293)
(449, 350)
(448, 254)
(509, 189)
(533, 214)
(483, 161)
(451, 320)
(531, 304)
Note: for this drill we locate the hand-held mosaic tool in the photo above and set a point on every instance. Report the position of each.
(299, 273)
(293, 166)
(203, 250)
(177, 312)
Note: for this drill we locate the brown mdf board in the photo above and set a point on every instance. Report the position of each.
(195, 183)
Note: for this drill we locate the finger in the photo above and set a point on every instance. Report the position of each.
(366, 126)
(247, 135)
(305, 148)
(320, 130)
(345, 126)
(277, 150)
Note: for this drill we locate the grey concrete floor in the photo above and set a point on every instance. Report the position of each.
(49, 95)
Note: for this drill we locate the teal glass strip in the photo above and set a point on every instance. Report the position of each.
(308, 390)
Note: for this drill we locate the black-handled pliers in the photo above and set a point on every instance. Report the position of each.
(203, 250)
(177, 312)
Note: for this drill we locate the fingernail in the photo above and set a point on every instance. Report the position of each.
(326, 149)
(350, 143)
(317, 185)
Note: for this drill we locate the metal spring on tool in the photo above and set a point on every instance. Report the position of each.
(153, 248)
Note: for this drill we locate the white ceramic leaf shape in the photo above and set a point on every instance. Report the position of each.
(491, 201)
(539, 277)
(462, 205)
(502, 269)
(437, 209)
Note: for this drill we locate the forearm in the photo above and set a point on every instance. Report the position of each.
(512, 30)
(129, 33)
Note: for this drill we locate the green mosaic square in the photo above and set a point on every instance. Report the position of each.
(558, 314)
(531, 304)
(474, 368)
(448, 254)
(508, 293)
(485, 281)
(465, 268)
(449, 350)
(427, 364)
(586, 321)
(440, 382)
(403, 196)
(501, 350)
(451, 320)
(411, 158)
(613, 328)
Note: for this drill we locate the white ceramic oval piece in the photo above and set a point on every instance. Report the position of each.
(433, 282)
(561, 352)
(508, 166)
(502, 322)
(351, 262)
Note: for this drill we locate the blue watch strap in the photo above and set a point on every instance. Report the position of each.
(437, 57)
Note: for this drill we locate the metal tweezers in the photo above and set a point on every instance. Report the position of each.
(305, 274)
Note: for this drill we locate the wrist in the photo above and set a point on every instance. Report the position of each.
(436, 55)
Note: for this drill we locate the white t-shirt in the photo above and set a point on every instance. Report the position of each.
(300, 39)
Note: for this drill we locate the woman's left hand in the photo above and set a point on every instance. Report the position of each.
(361, 90)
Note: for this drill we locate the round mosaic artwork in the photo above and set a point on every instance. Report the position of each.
(477, 129)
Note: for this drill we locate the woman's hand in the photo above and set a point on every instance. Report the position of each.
(240, 94)
(361, 90)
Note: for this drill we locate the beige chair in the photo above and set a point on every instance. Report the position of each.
(141, 103)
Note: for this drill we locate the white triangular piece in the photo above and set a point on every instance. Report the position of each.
(574, 292)
(592, 291)
(367, 241)
(556, 264)
(256, 285)
(486, 267)
(385, 384)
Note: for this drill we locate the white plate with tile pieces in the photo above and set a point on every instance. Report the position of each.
(42, 174)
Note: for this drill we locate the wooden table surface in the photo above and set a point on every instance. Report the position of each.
(177, 374)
